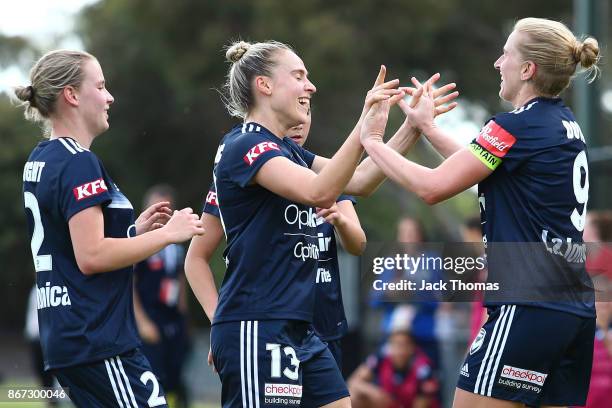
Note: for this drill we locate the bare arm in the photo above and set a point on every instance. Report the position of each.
(343, 217)
(368, 176)
(96, 253)
(197, 264)
(456, 174)
(287, 179)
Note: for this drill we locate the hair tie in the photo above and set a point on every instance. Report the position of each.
(31, 89)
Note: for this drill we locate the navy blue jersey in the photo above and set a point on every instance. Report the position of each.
(329, 319)
(81, 318)
(272, 248)
(538, 192)
(158, 283)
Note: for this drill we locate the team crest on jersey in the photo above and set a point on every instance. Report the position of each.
(257, 150)
(211, 198)
(93, 188)
(477, 344)
(495, 139)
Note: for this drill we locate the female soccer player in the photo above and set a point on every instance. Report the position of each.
(532, 173)
(268, 83)
(85, 241)
(329, 321)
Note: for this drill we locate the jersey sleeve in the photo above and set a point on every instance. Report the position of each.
(305, 154)
(82, 185)
(346, 197)
(246, 156)
(211, 206)
(503, 139)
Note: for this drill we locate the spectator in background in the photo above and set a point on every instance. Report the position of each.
(160, 307)
(597, 235)
(400, 377)
(417, 312)
(600, 387)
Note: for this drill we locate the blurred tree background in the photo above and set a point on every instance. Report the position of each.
(164, 62)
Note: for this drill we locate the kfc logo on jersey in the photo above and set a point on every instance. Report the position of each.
(258, 150)
(90, 189)
(495, 139)
(211, 198)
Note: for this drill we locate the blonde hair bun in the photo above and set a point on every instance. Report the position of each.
(236, 51)
(587, 52)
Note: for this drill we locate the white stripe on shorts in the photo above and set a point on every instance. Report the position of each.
(501, 350)
(112, 381)
(127, 382)
(488, 352)
(121, 387)
(244, 404)
(255, 370)
(249, 358)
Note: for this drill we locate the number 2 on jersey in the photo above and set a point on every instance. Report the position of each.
(41, 262)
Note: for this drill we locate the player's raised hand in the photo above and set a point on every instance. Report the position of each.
(382, 90)
(375, 121)
(422, 115)
(443, 96)
(183, 225)
(154, 217)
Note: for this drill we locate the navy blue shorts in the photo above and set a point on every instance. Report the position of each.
(531, 355)
(124, 381)
(274, 363)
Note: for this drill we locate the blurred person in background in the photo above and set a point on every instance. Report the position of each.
(160, 308)
(401, 376)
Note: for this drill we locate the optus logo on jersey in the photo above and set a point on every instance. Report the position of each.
(90, 189)
(495, 139)
(306, 251)
(293, 215)
(52, 296)
(258, 150)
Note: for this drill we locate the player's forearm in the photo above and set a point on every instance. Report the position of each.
(351, 235)
(368, 176)
(411, 176)
(442, 142)
(110, 254)
(200, 278)
(334, 177)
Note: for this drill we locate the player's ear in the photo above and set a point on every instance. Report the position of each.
(263, 84)
(70, 95)
(528, 70)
